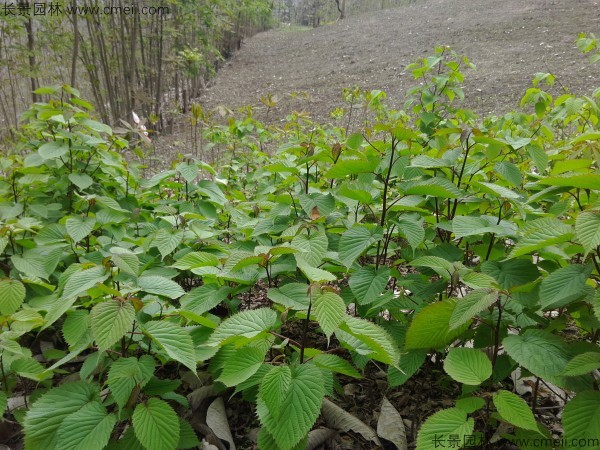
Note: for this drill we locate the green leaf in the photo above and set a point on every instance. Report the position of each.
(246, 324)
(204, 298)
(187, 436)
(541, 233)
(543, 354)
(156, 425)
(413, 231)
(125, 260)
(476, 226)
(512, 272)
(244, 363)
(335, 364)
(470, 404)
(581, 419)
(514, 410)
(312, 246)
(87, 429)
(12, 295)
(330, 311)
(291, 295)
(356, 240)
(375, 337)
(582, 364)
(194, 260)
(444, 426)
(274, 387)
(434, 187)
(174, 340)
(497, 190)
(81, 180)
(79, 282)
(442, 267)
(3, 402)
(587, 229)
(468, 365)
(509, 172)
(166, 241)
(410, 363)
(367, 283)
(297, 413)
(325, 203)
(76, 327)
(587, 181)
(470, 305)
(431, 326)
(52, 408)
(110, 321)
(564, 286)
(316, 275)
(54, 149)
(155, 284)
(80, 227)
(127, 373)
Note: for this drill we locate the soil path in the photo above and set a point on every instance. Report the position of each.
(508, 40)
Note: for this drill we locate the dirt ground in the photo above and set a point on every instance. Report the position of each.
(508, 40)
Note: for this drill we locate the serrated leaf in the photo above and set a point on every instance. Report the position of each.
(242, 365)
(300, 407)
(174, 340)
(514, 410)
(312, 247)
(87, 429)
(127, 373)
(246, 324)
(410, 363)
(512, 272)
(564, 286)
(441, 266)
(581, 419)
(166, 241)
(468, 366)
(582, 364)
(475, 226)
(587, 228)
(187, 436)
(291, 295)
(413, 231)
(470, 305)
(587, 181)
(509, 172)
(12, 295)
(76, 327)
(50, 410)
(194, 260)
(79, 282)
(316, 275)
(330, 311)
(156, 425)
(356, 240)
(539, 234)
(368, 282)
(125, 260)
(543, 354)
(81, 180)
(375, 337)
(274, 387)
(110, 321)
(435, 187)
(430, 328)
(335, 364)
(54, 149)
(155, 284)
(204, 298)
(80, 227)
(497, 190)
(444, 426)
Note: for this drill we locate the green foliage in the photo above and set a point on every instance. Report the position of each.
(424, 237)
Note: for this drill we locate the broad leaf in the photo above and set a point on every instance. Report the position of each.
(564, 286)
(312, 246)
(166, 241)
(156, 425)
(127, 373)
(174, 340)
(444, 426)
(110, 321)
(356, 240)
(581, 419)
(80, 282)
(87, 429)
(514, 410)
(246, 324)
(330, 311)
(431, 326)
(375, 337)
(468, 365)
(204, 298)
(470, 305)
(335, 364)
(583, 363)
(242, 365)
(587, 229)
(12, 295)
(367, 283)
(80, 227)
(155, 284)
(48, 413)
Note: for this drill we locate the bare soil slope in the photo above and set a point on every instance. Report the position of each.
(508, 40)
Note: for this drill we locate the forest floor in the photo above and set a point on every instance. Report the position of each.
(509, 41)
